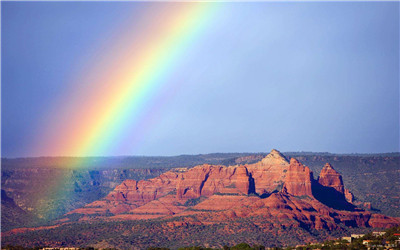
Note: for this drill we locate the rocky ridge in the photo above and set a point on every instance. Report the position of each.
(271, 188)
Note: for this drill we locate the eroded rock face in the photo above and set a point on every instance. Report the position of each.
(271, 188)
(298, 179)
(275, 158)
(329, 190)
(269, 173)
(272, 174)
(206, 180)
(329, 177)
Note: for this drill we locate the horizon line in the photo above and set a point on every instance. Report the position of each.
(210, 153)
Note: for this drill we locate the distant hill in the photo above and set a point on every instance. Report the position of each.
(119, 162)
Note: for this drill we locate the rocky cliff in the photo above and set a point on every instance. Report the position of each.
(298, 179)
(272, 187)
(330, 178)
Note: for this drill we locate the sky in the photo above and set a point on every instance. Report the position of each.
(137, 78)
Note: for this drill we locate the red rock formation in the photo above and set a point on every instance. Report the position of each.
(206, 180)
(329, 177)
(242, 179)
(219, 193)
(269, 173)
(191, 183)
(275, 158)
(298, 179)
(348, 195)
(382, 221)
(131, 194)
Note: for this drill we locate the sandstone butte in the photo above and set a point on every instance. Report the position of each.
(273, 189)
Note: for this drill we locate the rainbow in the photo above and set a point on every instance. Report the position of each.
(126, 83)
(121, 88)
